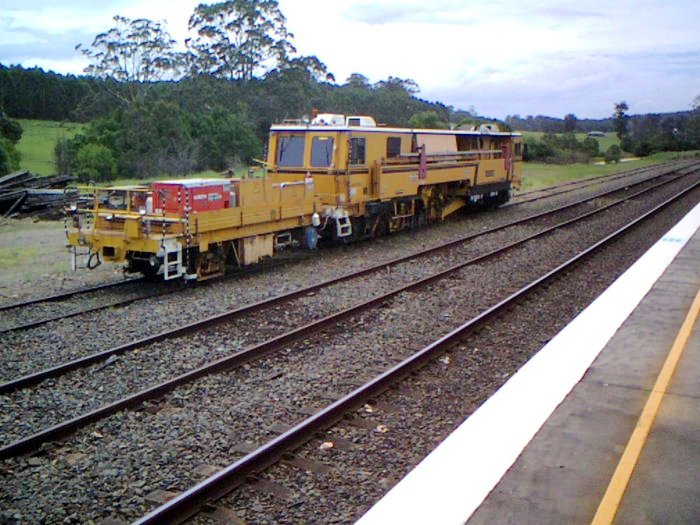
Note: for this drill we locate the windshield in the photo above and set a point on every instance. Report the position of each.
(112, 199)
(290, 150)
(322, 152)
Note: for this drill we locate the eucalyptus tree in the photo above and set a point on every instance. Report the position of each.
(238, 38)
(132, 55)
(620, 119)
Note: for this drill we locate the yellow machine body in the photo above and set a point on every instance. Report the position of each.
(343, 181)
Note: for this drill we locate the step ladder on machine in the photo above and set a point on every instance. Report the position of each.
(172, 260)
(343, 226)
(79, 257)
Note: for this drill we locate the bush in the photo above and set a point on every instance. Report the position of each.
(9, 157)
(642, 149)
(536, 151)
(95, 163)
(590, 146)
(224, 139)
(147, 140)
(614, 154)
(10, 129)
(426, 120)
(4, 161)
(560, 149)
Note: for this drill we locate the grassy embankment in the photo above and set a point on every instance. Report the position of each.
(38, 142)
(537, 175)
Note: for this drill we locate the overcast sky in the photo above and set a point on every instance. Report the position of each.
(501, 57)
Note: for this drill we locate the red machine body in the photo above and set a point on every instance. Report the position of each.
(197, 194)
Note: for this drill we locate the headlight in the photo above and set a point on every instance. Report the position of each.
(142, 211)
(109, 216)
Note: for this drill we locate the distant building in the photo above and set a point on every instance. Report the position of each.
(596, 134)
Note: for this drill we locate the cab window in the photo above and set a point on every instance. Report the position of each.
(393, 147)
(112, 199)
(322, 152)
(290, 150)
(357, 151)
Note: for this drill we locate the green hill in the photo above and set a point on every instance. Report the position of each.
(38, 142)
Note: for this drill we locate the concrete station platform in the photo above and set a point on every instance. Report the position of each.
(601, 426)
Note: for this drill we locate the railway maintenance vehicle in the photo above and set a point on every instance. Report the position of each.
(334, 177)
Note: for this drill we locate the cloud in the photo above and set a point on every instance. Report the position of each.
(397, 12)
(584, 84)
(22, 5)
(20, 43)
(565, 13)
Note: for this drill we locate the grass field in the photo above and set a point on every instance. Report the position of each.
(537, 175)
(38, 143)
(603, 142)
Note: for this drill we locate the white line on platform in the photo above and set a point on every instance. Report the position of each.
(453, 480)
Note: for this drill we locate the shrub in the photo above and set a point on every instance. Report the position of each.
(613, 154)
(590, 146)
(560, 149)
(95, 163)
(426, 120)
(4, 161)
(9, 157)
(10, 129)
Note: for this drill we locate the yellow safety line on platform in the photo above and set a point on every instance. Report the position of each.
(618, 484)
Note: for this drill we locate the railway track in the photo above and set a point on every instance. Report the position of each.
(64, 295)
(37, 377)
(568, 187)
(272, 339)
(37, 312)
(331, 321)
(248, 469)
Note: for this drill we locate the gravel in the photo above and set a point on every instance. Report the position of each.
(408, 422)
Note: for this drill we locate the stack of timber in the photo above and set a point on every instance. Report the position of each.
(21, 192)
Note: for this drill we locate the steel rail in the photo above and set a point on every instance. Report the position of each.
(218, 485)
(65, 295)
(121, 302)
(176, 287)
(261, 349)
(82, 362)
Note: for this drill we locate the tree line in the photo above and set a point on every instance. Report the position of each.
(639, 135)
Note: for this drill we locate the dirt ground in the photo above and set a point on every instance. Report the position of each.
(34, 261)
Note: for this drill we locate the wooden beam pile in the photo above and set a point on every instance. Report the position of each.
(22, 192)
